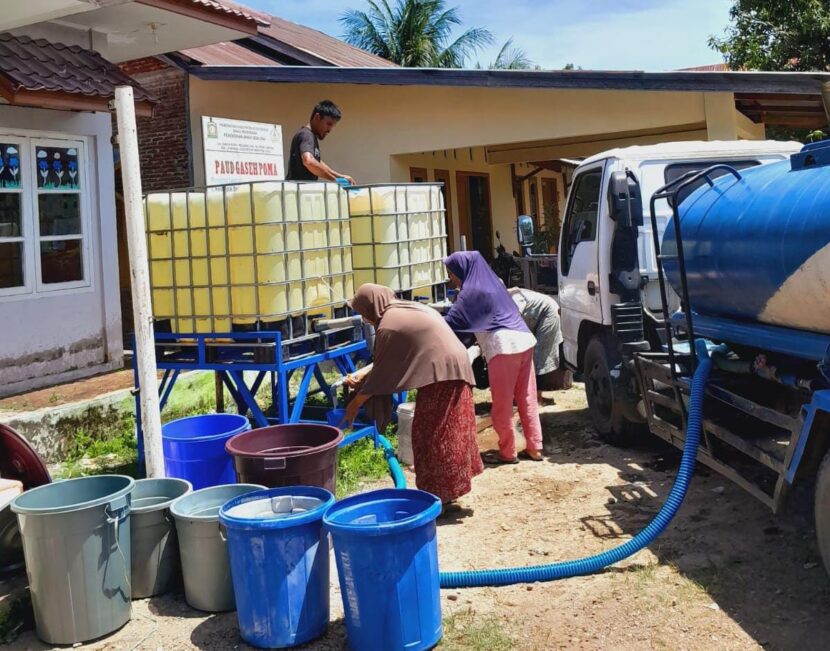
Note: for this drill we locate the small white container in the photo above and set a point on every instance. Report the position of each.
(406, 414)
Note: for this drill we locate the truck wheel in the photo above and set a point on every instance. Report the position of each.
(822, 511)
(604, 405)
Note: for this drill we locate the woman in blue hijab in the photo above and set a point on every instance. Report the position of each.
(485, 309)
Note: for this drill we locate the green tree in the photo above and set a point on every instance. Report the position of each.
(510, 57)
(776, 35)
(414, 33)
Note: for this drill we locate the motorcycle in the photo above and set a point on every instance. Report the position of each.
(505, 266)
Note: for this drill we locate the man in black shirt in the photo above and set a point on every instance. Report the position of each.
(304, 162)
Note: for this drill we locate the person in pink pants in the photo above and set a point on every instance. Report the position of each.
(485, 309)
(513, 379)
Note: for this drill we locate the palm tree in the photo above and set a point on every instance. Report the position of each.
(413, 33)
(510, 58)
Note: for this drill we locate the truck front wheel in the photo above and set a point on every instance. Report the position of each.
(822, 511)
(602, 391)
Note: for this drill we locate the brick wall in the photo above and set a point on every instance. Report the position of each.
(162, 139)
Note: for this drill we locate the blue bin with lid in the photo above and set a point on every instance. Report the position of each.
(279, 558)
(387, 559)
(194, 448)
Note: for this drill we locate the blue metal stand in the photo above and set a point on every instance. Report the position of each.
(264, 354)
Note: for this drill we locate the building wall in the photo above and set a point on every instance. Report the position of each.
(163, 139)
(384, 127)
(381, 121)
(58, 336)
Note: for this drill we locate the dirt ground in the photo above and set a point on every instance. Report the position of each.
(726, 575)
(61, 394)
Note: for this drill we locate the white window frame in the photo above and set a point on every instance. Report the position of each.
(25, 236)
(78, 145)
(27, 142)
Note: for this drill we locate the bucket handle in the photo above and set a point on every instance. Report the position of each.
(274, 463)
(223, 532)
(114, 516)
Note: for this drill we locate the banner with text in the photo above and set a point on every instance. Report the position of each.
(237, 151)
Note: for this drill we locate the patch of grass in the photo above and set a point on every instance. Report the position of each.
(465, 630)
(360, 463)
(89, 454)
(645, 574)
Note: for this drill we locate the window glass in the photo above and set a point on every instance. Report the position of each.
(583, 213)
(61, 261)
(57, 168)
(679, 169)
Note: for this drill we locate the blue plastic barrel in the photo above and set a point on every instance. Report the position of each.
(279, 558)
(387, 561)
(194, 448)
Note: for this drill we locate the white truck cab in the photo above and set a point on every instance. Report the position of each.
(591, 296)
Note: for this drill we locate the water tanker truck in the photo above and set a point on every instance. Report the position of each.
(739, 256)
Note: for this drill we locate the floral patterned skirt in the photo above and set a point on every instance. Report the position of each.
(444, 440)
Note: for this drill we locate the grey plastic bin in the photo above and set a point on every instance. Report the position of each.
(154, 545)
(206, 568)
(76, 542)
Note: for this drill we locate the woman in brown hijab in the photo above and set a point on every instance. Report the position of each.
(416, 349)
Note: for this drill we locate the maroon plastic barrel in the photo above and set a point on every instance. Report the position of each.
(299, 454)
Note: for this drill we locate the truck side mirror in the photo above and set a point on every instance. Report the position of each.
(524, 230)
(626, 200)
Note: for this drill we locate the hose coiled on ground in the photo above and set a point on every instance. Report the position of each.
(592, 564)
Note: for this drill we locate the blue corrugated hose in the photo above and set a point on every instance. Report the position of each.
(394, 465)
(592, 564)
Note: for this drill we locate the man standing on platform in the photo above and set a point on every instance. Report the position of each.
(304, 163)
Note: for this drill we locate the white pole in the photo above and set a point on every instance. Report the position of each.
(145, 351)
(463, 242)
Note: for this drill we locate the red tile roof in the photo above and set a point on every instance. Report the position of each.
(38, 65)
(227, 54)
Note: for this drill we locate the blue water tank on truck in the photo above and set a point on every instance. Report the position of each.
(749, 254)
(757, 248)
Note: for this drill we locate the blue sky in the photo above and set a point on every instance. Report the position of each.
(596, 34)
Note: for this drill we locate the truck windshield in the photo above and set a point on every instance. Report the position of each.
(677, 170)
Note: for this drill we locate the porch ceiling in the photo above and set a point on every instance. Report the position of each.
(123, 30)
(18, 14)
(783, 109)
(588, 145)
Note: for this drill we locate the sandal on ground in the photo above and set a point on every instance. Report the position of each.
(526, 456)
(494, 459)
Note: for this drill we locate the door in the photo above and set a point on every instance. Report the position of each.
(579, 281)
(550, 202)
(474, 211)
(443, 176)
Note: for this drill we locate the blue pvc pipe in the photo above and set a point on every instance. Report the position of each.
(592, 564)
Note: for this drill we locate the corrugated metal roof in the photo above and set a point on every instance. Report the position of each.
(714, 67)
(249, 12)
(38, 65)
(322, 46)
(227, 54)
(233, 9)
